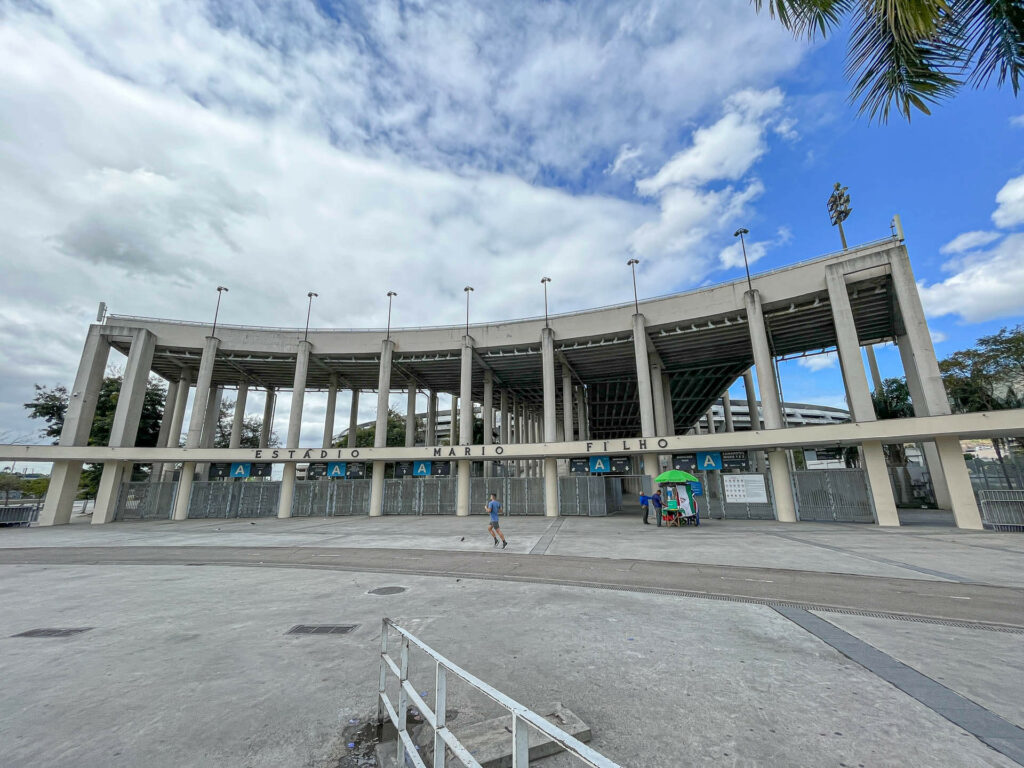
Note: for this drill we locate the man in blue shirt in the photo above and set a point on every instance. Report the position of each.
(657, 504)
(645, 501)
(494, 507)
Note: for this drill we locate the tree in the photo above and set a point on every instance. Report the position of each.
(252, 427)
(913, 53)
(10, 482)
(37, 486)
(51, 406)
(365, 435)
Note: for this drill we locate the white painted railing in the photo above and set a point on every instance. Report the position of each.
(522, 717)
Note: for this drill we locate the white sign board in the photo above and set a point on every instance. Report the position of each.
(745, 489)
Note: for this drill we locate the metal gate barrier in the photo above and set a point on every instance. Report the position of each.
(582, 495)
(743, 510)
(331, 498)
(145, 500)
(1002, 510)
(226, 498)
(840, 495)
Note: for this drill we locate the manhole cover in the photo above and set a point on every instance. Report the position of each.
(321, 629)
(387, 590)
(53, 632)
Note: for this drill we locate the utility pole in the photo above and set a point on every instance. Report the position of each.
(839, 209)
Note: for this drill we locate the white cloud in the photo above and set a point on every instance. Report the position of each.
(938, 336)
(986, 286)
(969, 241)
(818, 362)
(1017, 121)
(732, 256)
(626, 162)
(1010, 200)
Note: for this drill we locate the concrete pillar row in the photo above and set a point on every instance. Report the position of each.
(267, 428)
(567, 398)
(648, 425)
(284, 505)
(332, 406)
(858, 396)
(195, 425)
(380, 437)
(125, 426)
(778, 464)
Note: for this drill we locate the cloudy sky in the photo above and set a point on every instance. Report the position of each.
(150, 151)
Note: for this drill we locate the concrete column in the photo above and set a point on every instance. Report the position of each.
(431, 430)
(174, 434)
(170, 402)
(195, 425)
(658, 393)
(727, 411)
(284, 504)
(778, 464)
(550, 487)
(962, 501)
(64, 475)
(858, 397)
(211, 421)
(670, 415)
(239, 416)
(410, 416)
(770, 406)
(755, 416)
(550, 423)
(353, 419)
(876, 378)
(453, 422)
(503, 434)
(488, 408)
(125, 426)
(643, 379)
(267, 428)
(488, 415)
(581, 414)
(710, 416)
(380, 437)
(586, 411)
(567, 427)
(332, 406)
(462, 486)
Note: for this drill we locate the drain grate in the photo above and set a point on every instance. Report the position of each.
(321, 629)
(386, 590)
(53, 632)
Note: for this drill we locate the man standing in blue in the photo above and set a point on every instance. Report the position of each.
(494, 507)
(657, 503)
(645, 502)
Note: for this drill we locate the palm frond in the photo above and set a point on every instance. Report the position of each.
(992, 32)
(807, 18)
(900, 52)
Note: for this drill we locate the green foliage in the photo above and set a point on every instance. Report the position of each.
(252, 426)
(10, 482)
(988, 376)
(913, 53)
(365, 435)
(37, 486)
(893, 400)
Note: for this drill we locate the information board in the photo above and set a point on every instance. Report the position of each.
(579, 466)
(316, 470)
(736, 460)
(745, 489)
(355, 470)
(684, 462)
(261, 470)
(219, 470)
(622, 465)
(403, 468)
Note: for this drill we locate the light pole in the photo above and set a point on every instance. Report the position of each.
(309, 309)
(544, 281)
(468, 289)
(391, 295)
(839, 209)
(632, 265)
(220, 289)
(740, 233)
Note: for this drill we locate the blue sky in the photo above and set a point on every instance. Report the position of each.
(149, 152)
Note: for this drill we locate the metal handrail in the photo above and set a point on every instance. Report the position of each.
(570, 313)
(443, 738)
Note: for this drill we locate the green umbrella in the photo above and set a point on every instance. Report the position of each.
(675, 476)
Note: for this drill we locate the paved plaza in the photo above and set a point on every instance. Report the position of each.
(738, 643)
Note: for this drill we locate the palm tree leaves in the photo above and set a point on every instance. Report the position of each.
(910, 54)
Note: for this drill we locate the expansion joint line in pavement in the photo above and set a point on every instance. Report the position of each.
(541, 547)
(988, 727)
(874, 558)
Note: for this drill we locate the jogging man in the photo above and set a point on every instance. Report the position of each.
(494, 507)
